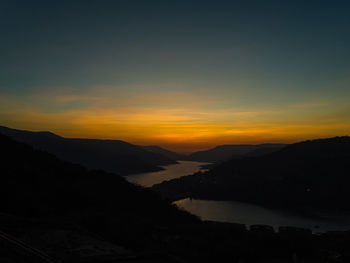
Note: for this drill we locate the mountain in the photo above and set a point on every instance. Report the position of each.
(109, 155)
(159, 150)
(225, 152)
(34, 182)
(60, 210)
(36, 186)
(307, 174)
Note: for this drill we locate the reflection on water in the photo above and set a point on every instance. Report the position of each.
(237, 212)
(243, 213)
(170, 172)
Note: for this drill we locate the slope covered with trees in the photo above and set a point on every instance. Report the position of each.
(307, 174)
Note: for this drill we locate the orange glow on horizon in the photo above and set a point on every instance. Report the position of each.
(191, 123)
(173, 133)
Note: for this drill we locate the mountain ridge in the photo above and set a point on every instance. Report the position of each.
(111, 155)
(221, 153)
(312, 173)
(170, 154)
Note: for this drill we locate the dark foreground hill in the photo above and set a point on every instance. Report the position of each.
(72, 214)
(223, 153)
(110, 155)
(308, 174)
(35, 183)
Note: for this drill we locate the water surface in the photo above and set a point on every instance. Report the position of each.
(171, 171)
(238, 212)
(249, 214)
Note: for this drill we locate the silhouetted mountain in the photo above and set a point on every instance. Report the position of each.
(54, 201)
(225, 152)
(110, 155)
(37, 183)
(307, 174)
(156, 149)
(264, 149)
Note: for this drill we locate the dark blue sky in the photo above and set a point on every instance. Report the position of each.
(256, 55)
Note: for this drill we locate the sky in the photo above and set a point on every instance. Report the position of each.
(183, 74)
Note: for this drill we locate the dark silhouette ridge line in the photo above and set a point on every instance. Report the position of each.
(36, 184)
(226, 152)
(111, 155)
(307, 175)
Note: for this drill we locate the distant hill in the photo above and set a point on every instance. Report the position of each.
(159, 150)
(109, 155)
(225, 152)
(307, 174)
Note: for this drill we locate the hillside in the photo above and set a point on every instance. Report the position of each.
(37, 185)
(307, 174)
(159, 150)
(75, 215)
(223, 153)
(109, 155)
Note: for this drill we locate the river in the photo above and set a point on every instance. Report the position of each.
(238, 212)
(249, 214)
(171, 171)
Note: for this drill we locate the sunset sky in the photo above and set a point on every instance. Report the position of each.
(186, 75)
